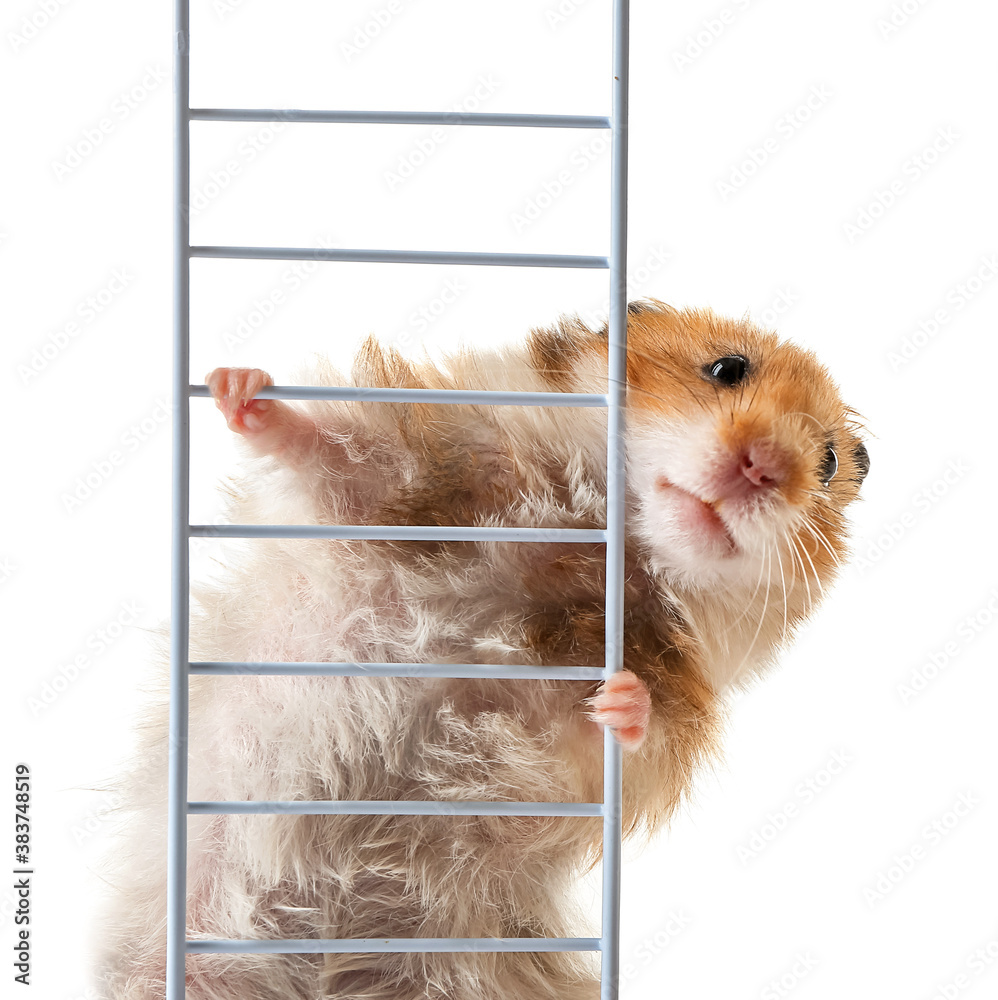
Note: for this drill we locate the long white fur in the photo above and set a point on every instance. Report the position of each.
(261, 737)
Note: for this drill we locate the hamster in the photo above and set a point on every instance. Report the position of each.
(741, 460)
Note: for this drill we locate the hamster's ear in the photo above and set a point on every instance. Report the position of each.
(861, 458)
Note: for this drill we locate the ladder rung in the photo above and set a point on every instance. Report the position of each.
(489, 397)
(384, 807)
(397, 117)
(475, 671)
(363, 946)
(402, 256)
(410, 533)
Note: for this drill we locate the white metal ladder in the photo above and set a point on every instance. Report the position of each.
(181, 667)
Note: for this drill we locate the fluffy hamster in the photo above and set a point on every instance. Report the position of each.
(741, 461)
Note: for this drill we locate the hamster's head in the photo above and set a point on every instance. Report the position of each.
(742, 456)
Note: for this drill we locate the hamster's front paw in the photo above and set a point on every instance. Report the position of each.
(233, 390)
(623, 703)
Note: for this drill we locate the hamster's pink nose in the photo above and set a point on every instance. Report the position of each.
(764, 464)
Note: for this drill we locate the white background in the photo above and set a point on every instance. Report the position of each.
(853, 226)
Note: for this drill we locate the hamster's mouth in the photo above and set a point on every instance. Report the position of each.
(700, 517)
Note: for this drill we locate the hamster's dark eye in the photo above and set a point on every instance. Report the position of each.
(829, 466)
(729, 370)
(862, 459)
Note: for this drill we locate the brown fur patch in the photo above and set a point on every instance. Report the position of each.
(555, 350)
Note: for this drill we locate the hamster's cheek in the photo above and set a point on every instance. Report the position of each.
(691, 545)
(698, 533)
(686, 538)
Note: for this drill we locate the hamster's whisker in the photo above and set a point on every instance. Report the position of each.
(765, 606)
(802, 413)
(824, 520)
(717, 397)
(823, 537)
(803, 570)
(664, 399)
(783, 585)
(748, 408)
(819, 535)
(785, 542)
(807, 555)
(748, 604)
